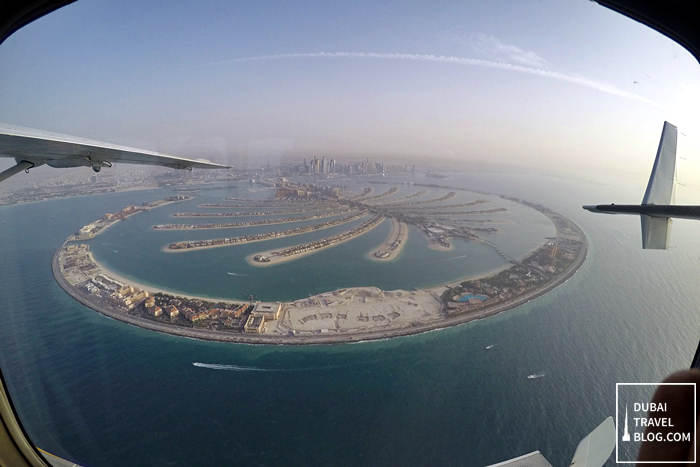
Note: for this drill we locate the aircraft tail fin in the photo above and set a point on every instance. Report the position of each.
(662, 183)
(594, 449)
(656, 231)
(661, 189)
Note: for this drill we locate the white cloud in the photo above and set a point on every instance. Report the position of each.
(562, 76)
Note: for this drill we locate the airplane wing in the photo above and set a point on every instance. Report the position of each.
(31, 148)
(657, 206)
(594, 449)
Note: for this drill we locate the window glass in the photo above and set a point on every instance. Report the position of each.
(402, 177)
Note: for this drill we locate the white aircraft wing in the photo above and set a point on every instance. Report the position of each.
(594, 449)
(36, 147)
(534, 459)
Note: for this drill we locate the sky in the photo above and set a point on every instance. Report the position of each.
(561, 86)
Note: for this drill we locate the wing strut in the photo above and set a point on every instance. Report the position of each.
(21, 165)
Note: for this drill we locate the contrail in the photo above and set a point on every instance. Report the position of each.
(567, 77)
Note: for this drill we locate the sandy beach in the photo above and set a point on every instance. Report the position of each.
(438, 247)
(238, 225)
(398, 233)
(310, 339)
(77, 238)
(331, 317)
(226, 215)
(283, 259)
(152, 289)
(167, 248)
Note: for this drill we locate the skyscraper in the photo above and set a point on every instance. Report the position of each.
(626, 435)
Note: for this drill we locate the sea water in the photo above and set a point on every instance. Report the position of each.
(104, 393)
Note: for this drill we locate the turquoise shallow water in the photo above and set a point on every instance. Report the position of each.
(104, 393)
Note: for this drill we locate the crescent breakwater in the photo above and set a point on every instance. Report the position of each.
(343, 315)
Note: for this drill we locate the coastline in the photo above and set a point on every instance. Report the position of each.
(438, 247)
(398, 233)
(261, 339)
(283, 259)
(90, 236)
(116, 190)
(153, 289)
(349, 219)
(230, 214)
(223, 225)
(359, 336)
(76, 271)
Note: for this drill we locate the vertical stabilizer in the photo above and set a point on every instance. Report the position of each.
(658, 206)
(594, 449)
(662, 183)
(656, 230)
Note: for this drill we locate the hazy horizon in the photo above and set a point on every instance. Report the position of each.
(561, 87)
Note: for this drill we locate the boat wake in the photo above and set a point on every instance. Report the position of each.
(111, 249)
(234, 274)
(454, 257)
(215, 366)
(218, 366)
(538, 375)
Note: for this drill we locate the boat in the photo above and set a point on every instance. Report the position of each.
(538, 375)
(490, 346)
